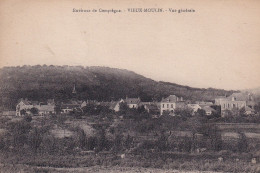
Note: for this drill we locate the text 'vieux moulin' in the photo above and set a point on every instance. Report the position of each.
(140, 10)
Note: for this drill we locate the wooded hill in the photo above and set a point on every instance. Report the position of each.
(93, 83)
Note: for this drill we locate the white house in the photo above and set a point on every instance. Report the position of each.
(42, 108)
(171, 103)
(236, 100)
(23, 105)
(132, 102)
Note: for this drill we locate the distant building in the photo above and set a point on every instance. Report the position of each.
(132, 102)
(115, 106)
(71, 106)
(83, 104)
(151, 107)
(171, 103)
(219, 99)
(194, 107)
(46, 108)
(203, 103)
(25, 106)
(249, 111)
(67, 108)
(208, 110)
(236, 100)
(204, 106)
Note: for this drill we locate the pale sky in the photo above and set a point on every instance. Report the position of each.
(216, 46)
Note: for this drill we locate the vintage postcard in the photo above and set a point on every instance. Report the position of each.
(129, 86)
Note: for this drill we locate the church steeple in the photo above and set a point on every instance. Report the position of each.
(74, 90)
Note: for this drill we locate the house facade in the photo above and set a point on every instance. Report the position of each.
(67, 108)
(71, 106)
(43, 108)
(115, 106)
(170, 103)
(133, 102)
(236, 100)
(23, 105)
(151, 107)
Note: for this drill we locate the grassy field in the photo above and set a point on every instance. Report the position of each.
(62, 138)
(142, 162)
(97, 169)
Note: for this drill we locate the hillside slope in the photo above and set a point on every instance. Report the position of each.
(99, 83)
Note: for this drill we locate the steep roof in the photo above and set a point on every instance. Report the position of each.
(26, 102)
(240, 96)
(104, 103)
(132, 100)
(207, 108)
(34, 103)
(248, 109)
(151, 106)
(220, 97)
(45, 107)
(51, 101)
(113, 105)
(204, 103)
(78, 102)
(194, 105)
(146, 103)
(69, 106)
(171, 98)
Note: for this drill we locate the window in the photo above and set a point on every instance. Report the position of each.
(171, 105)
(167, 105)
(163, 105)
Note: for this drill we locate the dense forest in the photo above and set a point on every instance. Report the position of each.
(93, 83)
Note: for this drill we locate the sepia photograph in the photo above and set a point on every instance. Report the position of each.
(111, 86)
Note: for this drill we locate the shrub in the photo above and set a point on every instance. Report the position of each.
(27, 118)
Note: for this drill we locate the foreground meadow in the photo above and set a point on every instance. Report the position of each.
(130, 141)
